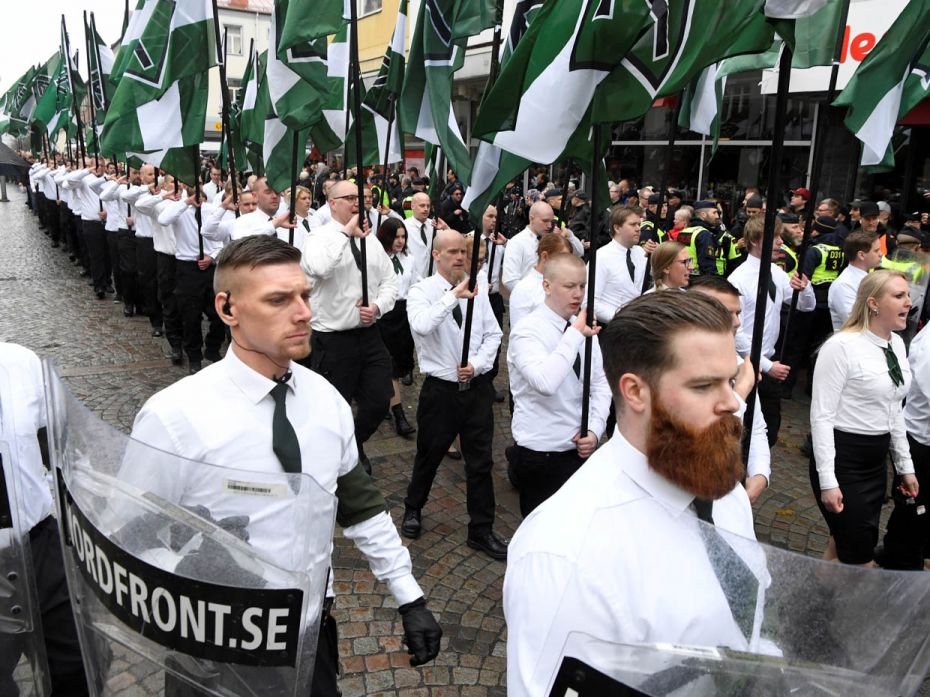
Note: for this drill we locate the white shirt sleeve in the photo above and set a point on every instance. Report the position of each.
(482, 356)
(322, 253)
(841, 299)
(511, 270)
(830, 374)
(545, 371)
(422, 314)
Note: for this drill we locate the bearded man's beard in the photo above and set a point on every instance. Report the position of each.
(705, 462)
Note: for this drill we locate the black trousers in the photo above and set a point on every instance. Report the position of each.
(54, 220)
(81, 252)
(193, 291)
(66, 225)
(113, 261)
(166, 266)
(95, 238)
(126, 269)
(146, 273)
(541, 474)
(497, 307)
(907, 540)
(41, 209)
(443, 413)
(357, 363)
(769, 396)
(61, 640)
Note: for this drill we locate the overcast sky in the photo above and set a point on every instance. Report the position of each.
(30, 31)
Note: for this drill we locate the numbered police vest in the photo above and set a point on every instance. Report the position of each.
(727, 252)
(789, 262)
(649, 231)
(831, 263)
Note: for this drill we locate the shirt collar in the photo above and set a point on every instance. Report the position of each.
(553, 316)
(637, 468)
(875, 339)
(253, 384)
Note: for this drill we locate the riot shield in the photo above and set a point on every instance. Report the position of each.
(23, 665)
(916, 267)
(819, 629)
(187, 577)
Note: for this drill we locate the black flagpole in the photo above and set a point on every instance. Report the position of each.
(479, 231)
(820, 135)
(387, 158)
(74, 105)
(227, 123)
(435, 204)
(663, 184)
(592, 273)
(195, 151)
(295, 144)
(768, 237)
(93, 105)
(128, 184)
(357, 125)
(345, 154)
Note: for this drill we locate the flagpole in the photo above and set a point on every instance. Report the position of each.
(387, 157)
(596, 161)
(128, 206)
(355, 72)
(345, 149)
(820, 135)
(74, 105)
(227, 123)
(293, 216)
(103, 85)
(93, 106)
(195, 151)
(768, 236)
(435, 203)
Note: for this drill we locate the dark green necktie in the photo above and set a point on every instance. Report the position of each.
(576, 366)
(740, 586)
(283, 437)
(398, 268)
(306, 225)
(457, 312)
(423, 233)
(630, 266)
(894, 368)
(356, 252)
(771, 289)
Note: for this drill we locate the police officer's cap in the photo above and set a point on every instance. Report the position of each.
(790, 218)
(654, 200)
(552, 193)
(699, 205)
(754, 201)
(824, 225)
(581, 195)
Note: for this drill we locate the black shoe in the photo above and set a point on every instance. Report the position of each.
(365, 463)
(158, 332)
(401, 425)
(101, 294)
(388, 415)
(807, 447)
(212, 356)
(176, 356)
(411, 527)
(499, 396)
(489, 543)
(195, 367)
(128, 312)
(407, 379)
(453, 454)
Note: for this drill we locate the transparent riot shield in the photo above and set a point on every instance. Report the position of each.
(916, 267)
(188, 578)
(23, 665)
(815, 629)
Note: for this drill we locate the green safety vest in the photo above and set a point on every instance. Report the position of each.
(790, 262)
(727, 252)
(661, 235)
(407, 206)
(688, 237)
(911, 269)
(831, 263)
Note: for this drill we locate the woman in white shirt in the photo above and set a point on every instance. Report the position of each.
(860, 379)
(395, 330)
(671, 266)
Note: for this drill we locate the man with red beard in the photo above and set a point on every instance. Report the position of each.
(619, 552)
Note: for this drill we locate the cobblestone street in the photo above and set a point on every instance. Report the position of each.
(113, 365)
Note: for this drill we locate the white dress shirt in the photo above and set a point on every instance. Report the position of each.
(210, 189)
(917, 406)
(217, 222)
(437, 336)
(526, 296)
(409, 275)
(760, 456)
(85, 188)
(143, 225)
(148, 208)
(180, 217)
(301, 230)
(842, 295)
(613, 287)
(116, 210)
(416, 231)
(64, 194)
(746, 280)
(22, 414)
(546, 392)
(854, 393)
(495, 284)
(336, 280)
(49, 186)
(321, 216)
(255, 223)
(223, 416)
(521, 256)
(617, 553)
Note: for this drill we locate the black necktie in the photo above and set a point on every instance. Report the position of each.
(423, 233)
(398, 268)
(894, 368)
(740, 586)
(306, 225)
(456, 311)
(772, 289)
(355, 252)
(283, 437)
(576, 366)
(630, 266)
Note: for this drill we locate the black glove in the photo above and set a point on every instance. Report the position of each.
(421, 632)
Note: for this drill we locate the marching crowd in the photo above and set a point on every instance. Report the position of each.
(673, 318)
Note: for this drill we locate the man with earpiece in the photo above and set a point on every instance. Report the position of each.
(257, 409)
(347, 346)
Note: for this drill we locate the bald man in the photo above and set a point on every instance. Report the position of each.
(521, 249)
(347, 346)
(420, 232)
(267, 217)
(545, 357)
(436, 308)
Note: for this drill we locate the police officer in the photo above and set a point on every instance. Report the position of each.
(651, 227)
(822, 265)
(701, 237)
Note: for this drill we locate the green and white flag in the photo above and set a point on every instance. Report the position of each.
(161, 99)
(132, 33)
(523, 14)
(437, 51)
(19, 102)
(390, 79)
(178, 162)
(53, 110)
(891, 81)
(252, 119)
(303, 21)
(99, 67)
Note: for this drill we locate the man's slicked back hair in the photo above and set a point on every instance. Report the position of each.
(252, 251)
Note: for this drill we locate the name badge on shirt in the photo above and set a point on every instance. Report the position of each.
(243, 488)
